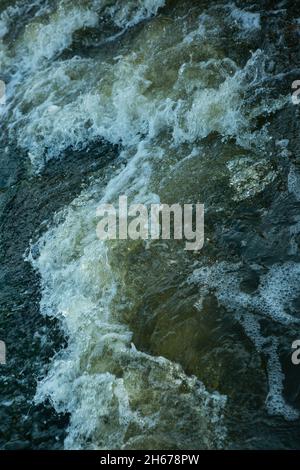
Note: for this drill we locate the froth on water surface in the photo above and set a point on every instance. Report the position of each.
(164, 348)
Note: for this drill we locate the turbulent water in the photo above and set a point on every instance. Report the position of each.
(136, 344)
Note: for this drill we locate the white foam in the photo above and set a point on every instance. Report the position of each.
(3, 28)
(272, 299)
(245, 19)
(294, 182)
(115, 394)
(44, 41)
(118, 103)
(133, 12)
(118, 397)
(121, 100)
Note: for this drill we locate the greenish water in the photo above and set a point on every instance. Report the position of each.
(134, 345)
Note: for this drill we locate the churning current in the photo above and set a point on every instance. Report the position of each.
(141, 344)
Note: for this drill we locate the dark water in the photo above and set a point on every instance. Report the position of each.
(123, 345)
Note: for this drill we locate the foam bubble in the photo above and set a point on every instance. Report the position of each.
(245, 19)
(118, 397)
(133, 12)
(118, 102)
(44, 41)
(272, 299)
